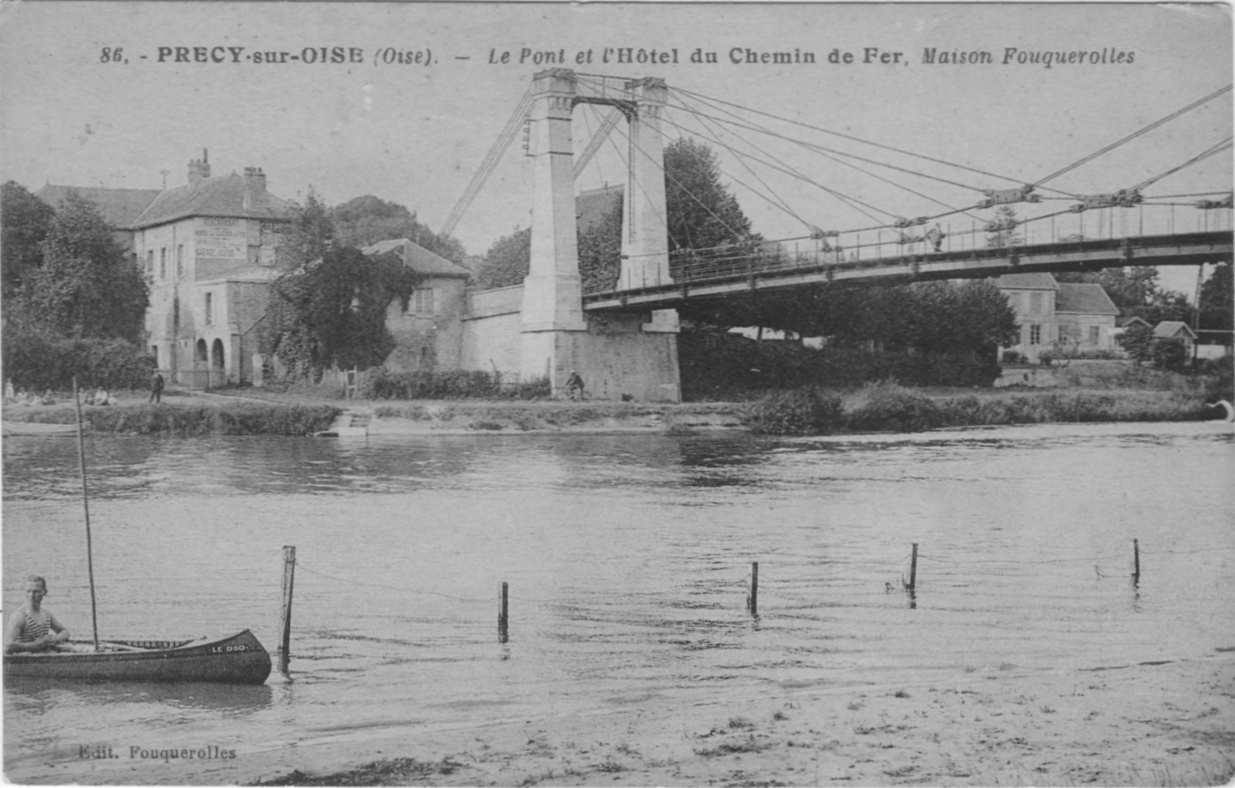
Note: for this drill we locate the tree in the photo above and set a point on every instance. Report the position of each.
(328, 308)
(600, 252)
(1137, 340)
(1217, 307)
(702, 214)
(366, 220)
(1001, 230)
(24, 223)
(85, 287)
(507, 261)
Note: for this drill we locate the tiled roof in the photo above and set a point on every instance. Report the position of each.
(1026, 282)
(1086, 299)
(220, 196)
(417, 258)
(1169, 329)
(594, 206)
(119, 207)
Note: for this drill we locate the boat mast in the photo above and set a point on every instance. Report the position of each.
(85, 502)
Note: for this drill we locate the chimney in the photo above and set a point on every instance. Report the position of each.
(254, 188)
(199, 168)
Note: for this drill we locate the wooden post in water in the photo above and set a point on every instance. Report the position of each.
(913, 569)
(1136, 562)
(752, 601)
(285, 620)
(503, 619)
(85, 502)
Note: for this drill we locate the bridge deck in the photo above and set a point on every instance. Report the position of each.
(734, 279)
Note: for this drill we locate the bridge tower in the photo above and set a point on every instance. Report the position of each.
(632, 355)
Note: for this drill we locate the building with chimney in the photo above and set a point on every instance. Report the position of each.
(208, 249)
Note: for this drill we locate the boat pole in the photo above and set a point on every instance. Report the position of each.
(85, 502)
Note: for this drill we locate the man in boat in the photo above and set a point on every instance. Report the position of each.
(33, 628)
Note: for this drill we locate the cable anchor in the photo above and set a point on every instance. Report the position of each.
(1007, 196)
(1124, 198)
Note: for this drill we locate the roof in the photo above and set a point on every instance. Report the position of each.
(594, 206)
(262, 274)
(118, 207)
(1084, 298)
(220, 196)
(1127, 320)
(417, 258)
(1026, 282)
(1171, 329)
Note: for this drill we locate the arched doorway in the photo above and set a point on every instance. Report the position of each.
(218, 367)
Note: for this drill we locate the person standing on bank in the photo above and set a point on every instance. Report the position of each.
(33, 628)
(156, 388)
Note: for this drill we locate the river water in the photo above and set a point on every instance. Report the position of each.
(628, 560)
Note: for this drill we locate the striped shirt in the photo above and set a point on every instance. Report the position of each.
(34, 625)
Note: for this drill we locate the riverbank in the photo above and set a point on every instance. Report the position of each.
(874, 408)
(1159, 723)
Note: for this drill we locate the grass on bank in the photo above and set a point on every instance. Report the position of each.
(187, 419)
(888, 407)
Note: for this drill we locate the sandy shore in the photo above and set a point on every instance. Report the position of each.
(1170, 723)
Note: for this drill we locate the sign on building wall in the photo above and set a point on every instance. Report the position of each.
(220, 245)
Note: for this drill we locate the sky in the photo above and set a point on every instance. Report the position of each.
(73, 113)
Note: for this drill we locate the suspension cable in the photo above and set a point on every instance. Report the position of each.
(500, 146)
(823, 148)
(1221, 146)
(859, 169)
(1135, 134)
(854, 139)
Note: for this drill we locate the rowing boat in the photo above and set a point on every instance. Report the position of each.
(239, 659)
(36, 429)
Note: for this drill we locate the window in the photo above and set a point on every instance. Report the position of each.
(422, 301)
(209, 308)
(180, 261)
(1035, 335)
(1069, 332)
(1095, 335)
(163, 263)
(150, 262)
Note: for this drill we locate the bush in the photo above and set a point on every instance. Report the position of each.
(889, 406)
(38, 361)
(805, 411)
(380, 383)
(718, 365)
(1013, 357)
(1169, 355)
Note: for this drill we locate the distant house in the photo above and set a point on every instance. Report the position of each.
(1059, 317)
(1085, 316)
(429, 333)
(1175, 331)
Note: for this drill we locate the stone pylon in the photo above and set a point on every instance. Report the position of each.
(645, 245)
(553, 290)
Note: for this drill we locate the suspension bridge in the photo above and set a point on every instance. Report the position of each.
(973, 223)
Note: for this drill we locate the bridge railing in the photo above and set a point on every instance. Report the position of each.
(952, 237)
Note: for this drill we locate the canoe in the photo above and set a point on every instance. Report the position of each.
(239, 659)
(37, 429)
